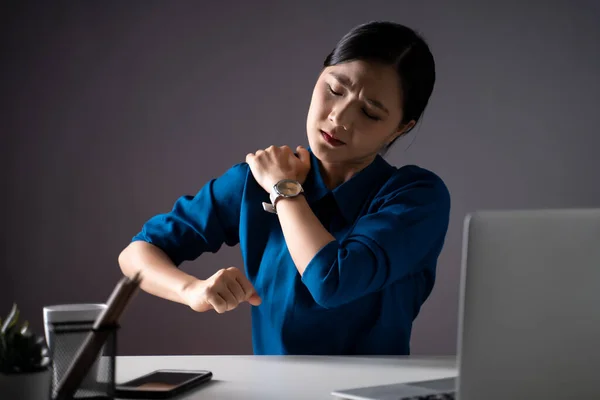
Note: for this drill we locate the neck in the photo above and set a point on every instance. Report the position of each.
(334, 174)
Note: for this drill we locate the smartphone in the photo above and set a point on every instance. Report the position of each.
(162, 384)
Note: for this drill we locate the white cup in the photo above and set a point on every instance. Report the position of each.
(65, 347)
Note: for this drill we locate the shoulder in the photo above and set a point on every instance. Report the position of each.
(412, 186)
(238, 183)
(233, 178)
(229, 186)
(237, 171)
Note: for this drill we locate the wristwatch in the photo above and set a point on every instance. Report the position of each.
(285, 188)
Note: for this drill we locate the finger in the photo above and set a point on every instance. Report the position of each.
(229, 298)
(244, 283)
(218, 303)
(249, 157)
(220, 294)
(255, 300)
(236, 289)
(246, 287)
(303, 154)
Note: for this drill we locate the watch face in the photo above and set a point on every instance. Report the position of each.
(288, 187)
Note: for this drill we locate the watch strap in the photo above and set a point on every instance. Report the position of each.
(269, 207)
(274, 196)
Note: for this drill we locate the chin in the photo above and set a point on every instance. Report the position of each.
(324, 153)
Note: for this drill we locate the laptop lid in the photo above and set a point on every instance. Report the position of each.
(529, 324)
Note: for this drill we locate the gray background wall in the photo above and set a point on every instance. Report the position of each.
(111, 110)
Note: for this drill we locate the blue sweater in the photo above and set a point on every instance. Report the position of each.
(358, 295)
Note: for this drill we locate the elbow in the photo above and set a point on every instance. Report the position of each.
(125, 260)
(322, 278)
(326, 293)
(122, 260)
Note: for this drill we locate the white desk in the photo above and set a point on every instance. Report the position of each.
(289, 377)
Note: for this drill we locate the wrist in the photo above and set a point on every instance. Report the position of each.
(288, 202)
(284, 189)
(187, 288)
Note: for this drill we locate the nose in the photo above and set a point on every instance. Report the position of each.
(340, 117)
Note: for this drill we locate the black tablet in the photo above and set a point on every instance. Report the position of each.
(162, 384)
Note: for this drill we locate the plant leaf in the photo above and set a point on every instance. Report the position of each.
(11, 320)
(25, 331)
(21, 350)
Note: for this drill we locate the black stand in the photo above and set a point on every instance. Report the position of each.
(99, 382)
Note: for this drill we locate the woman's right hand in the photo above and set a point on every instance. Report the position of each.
(222, 292)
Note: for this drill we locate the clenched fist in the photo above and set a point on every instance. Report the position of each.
(273, 164)
(222, 292)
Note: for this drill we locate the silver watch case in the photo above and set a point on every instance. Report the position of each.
(285, 188)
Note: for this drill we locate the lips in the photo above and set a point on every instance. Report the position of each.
(331, 139)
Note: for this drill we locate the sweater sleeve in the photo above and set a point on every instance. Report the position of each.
(401, 238)
(200, 223)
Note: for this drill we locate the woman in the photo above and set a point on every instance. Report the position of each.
(340, 248)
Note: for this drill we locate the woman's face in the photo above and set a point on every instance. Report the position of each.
(354, 112)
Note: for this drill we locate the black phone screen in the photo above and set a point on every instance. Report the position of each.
(163, 382)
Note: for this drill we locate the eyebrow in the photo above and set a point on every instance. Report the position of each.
(347, 82)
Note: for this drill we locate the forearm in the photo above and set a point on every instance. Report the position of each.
(303, 232)
(160, 277)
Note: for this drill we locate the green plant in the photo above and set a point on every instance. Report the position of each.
(21, 350)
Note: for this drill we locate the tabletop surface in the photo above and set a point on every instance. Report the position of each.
(289, 377)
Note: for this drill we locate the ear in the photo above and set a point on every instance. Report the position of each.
(403, 129)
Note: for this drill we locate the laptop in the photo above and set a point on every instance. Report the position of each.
(529, 311)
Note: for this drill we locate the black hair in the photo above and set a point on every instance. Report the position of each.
(392, 44)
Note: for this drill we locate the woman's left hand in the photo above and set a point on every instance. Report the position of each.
(273, 164)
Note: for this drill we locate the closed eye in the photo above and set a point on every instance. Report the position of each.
(370, 116)
(333, 91)
(373, 117)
